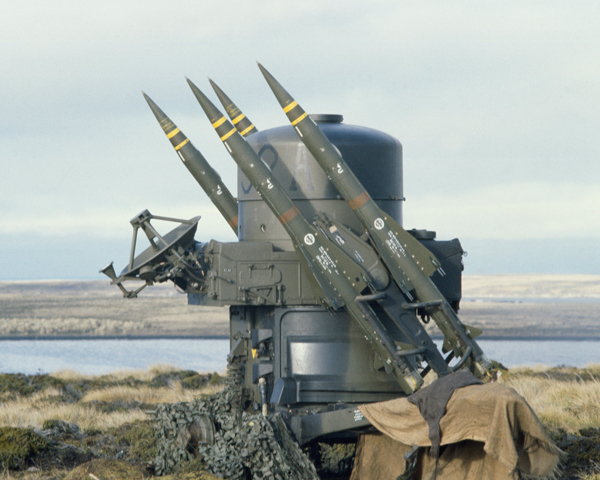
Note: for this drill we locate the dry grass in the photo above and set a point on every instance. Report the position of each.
(561, 398)
(18, 410)
(24, 413)
(143, 375)
(173, 394)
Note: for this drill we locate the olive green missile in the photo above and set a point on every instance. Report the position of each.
(205, 175)
(409, 262)
(340, 279)
(242, 122)
(392, 304)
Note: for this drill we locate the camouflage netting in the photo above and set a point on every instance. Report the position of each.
(246, 446)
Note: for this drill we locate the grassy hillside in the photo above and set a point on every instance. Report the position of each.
(106, 417)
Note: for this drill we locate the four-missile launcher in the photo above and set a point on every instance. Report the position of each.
(327, 293)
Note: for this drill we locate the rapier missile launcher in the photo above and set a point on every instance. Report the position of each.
(328, 294)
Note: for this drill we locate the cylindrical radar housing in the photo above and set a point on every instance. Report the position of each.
(374, 157)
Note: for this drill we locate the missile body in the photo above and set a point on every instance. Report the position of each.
(341, 280)
(409, 262)
(205, 175)
(242, 122)
(393, 303)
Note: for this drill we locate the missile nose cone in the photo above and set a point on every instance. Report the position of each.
(241, 122)
(222, 126)
(223, 98)
(175, 136)
(158, 113)
(211, 111)
(281, 94)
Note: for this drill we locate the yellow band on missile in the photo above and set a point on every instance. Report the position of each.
(246, 130)
(290, 106)
(172, 133)
(182, 144)
(219, 122)
(299, 119)
(228, 134)
(238, 119)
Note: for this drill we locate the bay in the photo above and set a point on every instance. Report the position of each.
(95, 357)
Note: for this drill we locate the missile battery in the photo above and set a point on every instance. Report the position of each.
(319, 320)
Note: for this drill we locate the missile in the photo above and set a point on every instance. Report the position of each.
(204, 174)
(340, 279)
(393, 302)
(242, 122)
(409, 262)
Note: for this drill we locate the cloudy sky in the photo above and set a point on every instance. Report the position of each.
(495, 103)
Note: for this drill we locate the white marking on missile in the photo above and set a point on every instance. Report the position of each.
(299, 132)
(339, 168)
(309, 239)
(228, 148)
(326, 262)
(180, 155)
(379, 224)
(269, 184)
(219, 191)
(394, 245)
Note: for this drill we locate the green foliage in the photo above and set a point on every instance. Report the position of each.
(195, 475)
(498, 366)
(17, 445)
(583, 451)
(25, 385)
(165, 379)
(216, 379)
(106, 468)
(139, 436)
(194, 382)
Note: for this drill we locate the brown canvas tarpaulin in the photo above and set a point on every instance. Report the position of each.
(489, 431)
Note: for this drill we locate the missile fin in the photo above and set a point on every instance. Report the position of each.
(425, 260)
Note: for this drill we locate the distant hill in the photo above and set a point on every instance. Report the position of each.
(524, 306)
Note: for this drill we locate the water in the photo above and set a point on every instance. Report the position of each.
(204, 355)
(513, 353)
(104, 356)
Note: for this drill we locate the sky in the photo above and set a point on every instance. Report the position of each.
(496, 105)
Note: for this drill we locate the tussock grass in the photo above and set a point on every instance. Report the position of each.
(23, 412)
(98, 402)
(148, 395)
(117, 376)
(566, 398)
